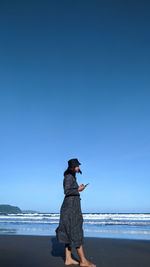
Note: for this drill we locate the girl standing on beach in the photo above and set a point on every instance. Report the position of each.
(70, 231)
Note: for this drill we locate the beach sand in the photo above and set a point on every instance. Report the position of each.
(45, 251)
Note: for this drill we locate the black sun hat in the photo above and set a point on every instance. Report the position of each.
(72, 163)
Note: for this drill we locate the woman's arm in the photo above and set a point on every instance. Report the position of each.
(81, 187)
(70, 187)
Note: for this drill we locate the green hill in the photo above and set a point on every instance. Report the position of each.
(5, 209)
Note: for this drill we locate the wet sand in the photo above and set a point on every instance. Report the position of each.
(45, 251)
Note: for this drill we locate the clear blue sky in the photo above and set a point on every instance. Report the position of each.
(74, 82)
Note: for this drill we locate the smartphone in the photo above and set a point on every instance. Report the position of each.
(86, 184)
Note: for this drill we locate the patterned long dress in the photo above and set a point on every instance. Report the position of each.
(70, 228)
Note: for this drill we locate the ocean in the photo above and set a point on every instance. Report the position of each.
(106, 225)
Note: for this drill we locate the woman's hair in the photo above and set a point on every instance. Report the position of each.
(70, 170)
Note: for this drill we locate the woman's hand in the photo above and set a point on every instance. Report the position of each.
(81, 187)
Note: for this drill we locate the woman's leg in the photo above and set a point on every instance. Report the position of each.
(67, 252)
(69, 259)
(81, 254)
(83, 260)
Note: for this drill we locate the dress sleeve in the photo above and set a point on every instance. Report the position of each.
(70, 187)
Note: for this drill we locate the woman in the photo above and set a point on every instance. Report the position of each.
(70, 231)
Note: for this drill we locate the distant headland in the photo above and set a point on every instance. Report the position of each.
(5, 209)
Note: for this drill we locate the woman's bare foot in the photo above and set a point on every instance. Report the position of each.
(71, 261)
(87, 263)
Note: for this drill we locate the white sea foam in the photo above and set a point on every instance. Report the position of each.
(102, 224)
(99, 217)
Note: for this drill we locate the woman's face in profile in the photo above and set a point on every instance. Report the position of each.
(77, 168)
